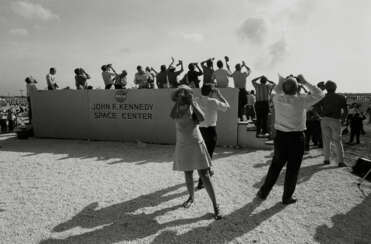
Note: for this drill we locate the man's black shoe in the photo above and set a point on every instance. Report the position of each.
(289, 201)
(261, 196)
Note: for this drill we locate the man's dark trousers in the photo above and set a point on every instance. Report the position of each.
(288, 148)
(261, 110)
(210, 137)
(242, 101)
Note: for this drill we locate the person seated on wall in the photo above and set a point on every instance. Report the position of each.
(50, 79)
(108, 74)
(80, 78)
(192, 75)
(141, 78)
(120, 80)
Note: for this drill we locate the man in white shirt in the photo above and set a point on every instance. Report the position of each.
(50, 79)
(290, 118)
(221, 75)
(210, 102)
(239, 79)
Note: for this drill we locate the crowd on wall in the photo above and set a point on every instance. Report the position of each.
(254, 105)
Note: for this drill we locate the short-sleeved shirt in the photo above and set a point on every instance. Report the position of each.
(108, 77)
(263, 91)
(141, 79)
(30, 88)
(50, 81)
(161, 79)
(331, 105)
(239, 79)
(173, 78)
(221, 77)
(208, 74)
(251, 99)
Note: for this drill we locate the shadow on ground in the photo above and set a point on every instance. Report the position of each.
(351, 227)
(119, 222)
(232, 226)
(97, 150)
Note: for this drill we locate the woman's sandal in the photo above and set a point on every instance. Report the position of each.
(188, 203)
(217, 215)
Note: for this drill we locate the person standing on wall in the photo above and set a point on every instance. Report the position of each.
(50, 79)
(221, 75)
(332, 106)
(192, 75)
(172, 74)
(141, 78)
(190, 149)
(108, 75)
(210, 102)
(263, 93)
(161, 77)
(208, 70)
(239, 79)
(290, 111)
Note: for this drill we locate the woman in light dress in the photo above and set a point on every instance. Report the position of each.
(190, 150)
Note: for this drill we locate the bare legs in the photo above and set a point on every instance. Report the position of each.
(205, 177)
(190, 188)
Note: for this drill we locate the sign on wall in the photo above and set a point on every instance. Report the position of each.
(124, 115)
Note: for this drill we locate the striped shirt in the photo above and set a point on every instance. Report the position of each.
(263, 91)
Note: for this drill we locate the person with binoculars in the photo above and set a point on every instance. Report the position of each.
(108, 74)
(80, 78)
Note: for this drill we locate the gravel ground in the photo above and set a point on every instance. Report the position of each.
(66, 191)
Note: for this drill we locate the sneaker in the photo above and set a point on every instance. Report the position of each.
(326, 162)
(266, 135)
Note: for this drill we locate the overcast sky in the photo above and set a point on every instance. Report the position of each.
(328, 39)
